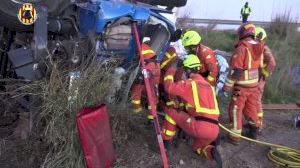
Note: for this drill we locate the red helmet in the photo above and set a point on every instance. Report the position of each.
(147, 52)
(246, 30)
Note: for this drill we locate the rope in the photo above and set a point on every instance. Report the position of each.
(279, 154)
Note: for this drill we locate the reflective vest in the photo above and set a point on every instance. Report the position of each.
(207, 107)
(251, 61)
(246, 10)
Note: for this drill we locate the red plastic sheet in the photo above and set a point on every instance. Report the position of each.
(95, 136)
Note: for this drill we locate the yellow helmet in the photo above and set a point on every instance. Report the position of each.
(260, 33)
(190, 38)
(191, 61)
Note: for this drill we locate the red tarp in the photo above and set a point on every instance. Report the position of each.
(95, 136)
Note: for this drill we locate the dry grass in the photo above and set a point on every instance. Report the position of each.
(57, 114)
(283, 39)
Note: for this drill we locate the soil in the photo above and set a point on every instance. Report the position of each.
(140, 150)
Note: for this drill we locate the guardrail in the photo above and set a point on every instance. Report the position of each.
(222, 22)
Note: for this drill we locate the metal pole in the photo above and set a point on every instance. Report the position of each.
(151, 100)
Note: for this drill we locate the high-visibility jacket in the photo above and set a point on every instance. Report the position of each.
(196, 92)
(245, 63)
(209, 63)
(246, 10)
(169, 58)
(269, 63)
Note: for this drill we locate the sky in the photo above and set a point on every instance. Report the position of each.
(262, 10)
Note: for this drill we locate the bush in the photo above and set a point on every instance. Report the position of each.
(283, 39)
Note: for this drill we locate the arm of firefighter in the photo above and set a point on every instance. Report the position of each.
(213, 72)
(236, 69)
(168, 58)
(269, 63)
(174, 89)
(211, 62)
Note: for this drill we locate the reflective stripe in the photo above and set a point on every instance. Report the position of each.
(249, 59)
(260, 114)
(235, 117)
(162, 65)
(200, 109)
(168, 77)
(246, 74)
(169, 133)
(265, 72)
(150, 117)
(149, 107)
(137, 110)
(205, 152)
(229, 82)
(235, 122)
(210, 78)
(147, 52)
(246, 82)
(135, 101)
(199, 151)
(170, 120)
(169, 103)
(181, 104)
(170, 57)
(187, 106)
(239, 132)
(262, 60)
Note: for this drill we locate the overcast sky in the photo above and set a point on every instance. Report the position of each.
(262, 10)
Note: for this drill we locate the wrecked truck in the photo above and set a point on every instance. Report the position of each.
(70, 31)
(74, 29)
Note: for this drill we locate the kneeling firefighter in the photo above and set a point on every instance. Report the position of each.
(200, 117)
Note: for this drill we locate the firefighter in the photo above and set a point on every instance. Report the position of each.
(169, 58)
(243, 80)
(269, 65)
(138, 88)
(200, 117)
(191, 40)
(245, 12)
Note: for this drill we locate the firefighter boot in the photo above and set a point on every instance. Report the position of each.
(167, 144)
(253, 132)
(217, 157)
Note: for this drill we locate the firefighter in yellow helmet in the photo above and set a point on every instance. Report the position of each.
(201, 114)
(268, 67)
(191, 40)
